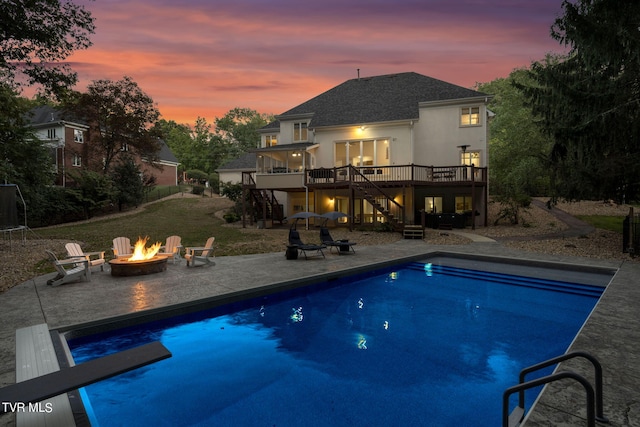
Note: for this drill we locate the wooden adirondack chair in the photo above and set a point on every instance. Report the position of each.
(172, 248)
(95, 258)
(122, 247)
(68, 269)
(203, 254)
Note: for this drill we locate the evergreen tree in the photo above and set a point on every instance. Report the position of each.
(588, 100)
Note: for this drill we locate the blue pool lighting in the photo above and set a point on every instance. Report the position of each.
(416, 344)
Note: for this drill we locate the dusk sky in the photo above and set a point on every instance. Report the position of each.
(203, 57)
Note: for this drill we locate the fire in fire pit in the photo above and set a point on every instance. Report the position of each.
(143, 261)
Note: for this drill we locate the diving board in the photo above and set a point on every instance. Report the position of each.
(57, 382)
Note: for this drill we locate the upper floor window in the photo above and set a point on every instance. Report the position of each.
(77, 160)
(470, 116)
(300, 132)
(51, 133)
(271, 140)
(78, 136)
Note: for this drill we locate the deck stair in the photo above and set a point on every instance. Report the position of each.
(265, 199)
(413, 232)
(377, 197)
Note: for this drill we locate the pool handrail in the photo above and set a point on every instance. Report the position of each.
(599, 410)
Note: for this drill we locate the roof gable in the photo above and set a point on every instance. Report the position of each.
(384, 98)
(165, 154)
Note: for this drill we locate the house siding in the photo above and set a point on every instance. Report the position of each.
(418, 118)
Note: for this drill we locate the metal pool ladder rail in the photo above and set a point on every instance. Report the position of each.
(594, 400)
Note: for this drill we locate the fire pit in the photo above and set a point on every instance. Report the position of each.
(124, 267)
(143, 261)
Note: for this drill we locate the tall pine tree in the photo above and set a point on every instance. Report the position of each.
(589, 101)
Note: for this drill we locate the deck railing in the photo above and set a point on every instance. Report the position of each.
(408, 173)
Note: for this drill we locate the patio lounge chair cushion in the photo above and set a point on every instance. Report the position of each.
(294, 240)
(68, 269)
(203, 254)
(342, 246)
(95, 258)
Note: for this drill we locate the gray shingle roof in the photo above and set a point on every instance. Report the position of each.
(246, 162)
(44, 114)
(165, 153)
(376, 99)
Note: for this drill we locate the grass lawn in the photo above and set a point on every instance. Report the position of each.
(611, 223)
(193, 219)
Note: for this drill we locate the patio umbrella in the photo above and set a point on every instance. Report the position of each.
(302, 215)
(334, 215)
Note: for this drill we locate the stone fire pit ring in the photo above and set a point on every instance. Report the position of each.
(122, 267)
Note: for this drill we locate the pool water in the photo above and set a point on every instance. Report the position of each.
(419, 344)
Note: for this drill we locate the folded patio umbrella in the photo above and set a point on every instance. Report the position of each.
(302, 215)
(334, 215)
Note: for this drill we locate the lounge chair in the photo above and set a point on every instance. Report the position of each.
(203, 254)
(172, 248)
(294, 240)
(342, 246)
(68, 269)
(122, 247)
(95, 258)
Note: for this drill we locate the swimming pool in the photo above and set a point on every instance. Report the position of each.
(416, 344)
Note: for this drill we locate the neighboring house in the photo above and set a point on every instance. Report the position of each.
(165, 168)
(398, 149)
(71, 150)
(66, 137)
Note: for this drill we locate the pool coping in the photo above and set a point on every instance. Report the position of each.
(612, 332)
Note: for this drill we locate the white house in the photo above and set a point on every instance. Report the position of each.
(397, 149)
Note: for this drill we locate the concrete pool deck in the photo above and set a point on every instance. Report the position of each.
(612, 333)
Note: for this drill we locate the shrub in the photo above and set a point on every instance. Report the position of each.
(231, 217)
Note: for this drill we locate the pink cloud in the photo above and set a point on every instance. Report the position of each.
(204, 58)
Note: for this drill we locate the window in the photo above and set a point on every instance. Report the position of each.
(463, 204)
(270, 140)
(433, 204)
(470, 116)
(51, 133)
(124, 147)
(373, 152)
(468, 158)
(78, 136)
(77, 160)
(300, 132)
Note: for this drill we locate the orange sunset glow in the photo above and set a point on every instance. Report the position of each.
(203, 58)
